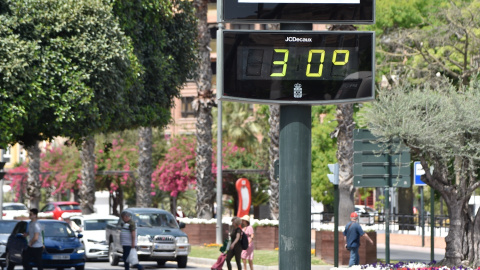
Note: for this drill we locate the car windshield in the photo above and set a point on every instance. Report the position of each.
(15, 207)
(98, 224)
(69, 207)
(57, 229)
(7, 227)
(155, 220)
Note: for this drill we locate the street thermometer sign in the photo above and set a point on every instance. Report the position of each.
(295, 11)
(300, 67)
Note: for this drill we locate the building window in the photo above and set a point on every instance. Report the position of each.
(187, 107)
(6, 155)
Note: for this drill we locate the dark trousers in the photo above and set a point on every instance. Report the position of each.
(237, 252)
(32, 255)
(126, 251)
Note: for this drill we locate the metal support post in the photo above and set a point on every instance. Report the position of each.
(219, 227)
(295, 188)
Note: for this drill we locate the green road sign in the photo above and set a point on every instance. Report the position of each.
(379, 165)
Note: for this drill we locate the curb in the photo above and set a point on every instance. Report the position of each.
(203, 262)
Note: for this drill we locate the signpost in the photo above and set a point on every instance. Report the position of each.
(295, 67)
(300, 67)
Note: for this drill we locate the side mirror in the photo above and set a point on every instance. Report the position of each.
(79, 235)
(19, 235)
(181, 225)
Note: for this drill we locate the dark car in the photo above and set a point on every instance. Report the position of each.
(62, 247)
(58, 208)
(6, 228)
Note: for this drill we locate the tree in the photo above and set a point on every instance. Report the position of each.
(439, 124)
(203, 105)
(78, 61)
(323, 152)
(175, 173)
(163, 33)
(239, 125)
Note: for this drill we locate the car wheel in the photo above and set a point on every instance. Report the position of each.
(10, 264)
(112, 258)
(161, 262)
(81, 267)
(182, 261)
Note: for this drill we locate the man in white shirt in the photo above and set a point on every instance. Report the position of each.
(34, 251)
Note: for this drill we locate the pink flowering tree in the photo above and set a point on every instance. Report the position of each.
(175, 173)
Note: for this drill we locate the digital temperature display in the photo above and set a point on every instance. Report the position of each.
(298, 66)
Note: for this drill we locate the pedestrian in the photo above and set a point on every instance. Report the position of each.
(248, 232)
(353, 232)
(34, 250)
(128, 238)
(235, 246)
(179, 214)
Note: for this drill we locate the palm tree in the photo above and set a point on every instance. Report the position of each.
(274, 154)
(145, 167)
(203, 105)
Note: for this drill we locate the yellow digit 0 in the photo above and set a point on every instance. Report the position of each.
(283, 63)
(340, 63)
(320, 67)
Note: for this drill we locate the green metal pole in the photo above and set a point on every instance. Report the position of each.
(295, 188)
(422, 215)
(335, 230)
(432, 224)
(387, 225)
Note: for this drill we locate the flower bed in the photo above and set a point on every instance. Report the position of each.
(404, 266)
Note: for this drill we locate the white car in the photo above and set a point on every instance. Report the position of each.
(12, 210)
(93, 229)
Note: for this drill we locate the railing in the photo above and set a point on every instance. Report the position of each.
(398, 223)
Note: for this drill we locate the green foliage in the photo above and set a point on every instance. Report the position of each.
(163, 34)
(69, 65)
(323, 152)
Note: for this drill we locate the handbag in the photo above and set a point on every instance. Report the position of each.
(132, 257)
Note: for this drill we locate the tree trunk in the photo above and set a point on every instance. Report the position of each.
(173, 205)
(87, 190)
(33, 181)
(274, 134)
(145, 170)
(203, 106)
(405, 209)
(344, 134)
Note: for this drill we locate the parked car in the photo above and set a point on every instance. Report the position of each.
(58, 208)
(159, 237)
(12, 210)
(366, 214)
(6, 228)
(93, 229)
(62, 247)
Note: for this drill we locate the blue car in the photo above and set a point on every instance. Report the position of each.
(62, 247)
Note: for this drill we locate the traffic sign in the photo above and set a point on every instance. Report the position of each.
(299, 11)
(418, 171)
(378, 165)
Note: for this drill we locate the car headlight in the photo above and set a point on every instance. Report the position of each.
(79, 250)
(97, 241)
(144, 239)
(182, 240)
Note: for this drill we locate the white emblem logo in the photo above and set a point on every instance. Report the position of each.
(297, 91)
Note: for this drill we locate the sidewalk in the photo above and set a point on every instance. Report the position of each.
(202, 262)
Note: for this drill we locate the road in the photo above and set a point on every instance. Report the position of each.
(397, 253)
(147, 265)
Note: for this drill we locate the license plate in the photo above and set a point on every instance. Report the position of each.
(164, 246)
(60, 257)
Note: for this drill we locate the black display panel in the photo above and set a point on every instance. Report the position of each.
(298, 67)
(362, 13)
